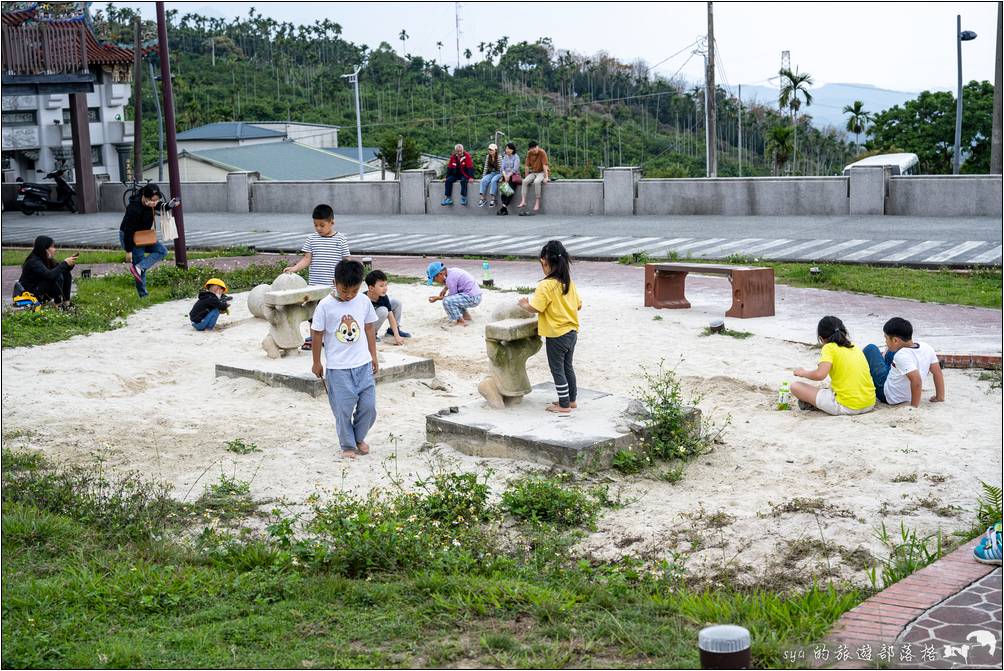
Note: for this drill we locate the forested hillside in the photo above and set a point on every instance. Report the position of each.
(586, 110)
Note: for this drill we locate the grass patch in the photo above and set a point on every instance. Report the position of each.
(979, 286)
(240, 446)
(738, 335)
(103, 303)
(905, 477)
(388, 580)
(541, 499)
(14, 256)
(993, 377)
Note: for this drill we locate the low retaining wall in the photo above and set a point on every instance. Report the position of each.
(743, 196)
(573, 196)
(945, 196)
(382, 197)
(196, 196)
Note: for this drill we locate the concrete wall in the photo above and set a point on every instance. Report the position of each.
(345, 197)
(743, 196)
(572, 196)
(945, 196)
(195, 196)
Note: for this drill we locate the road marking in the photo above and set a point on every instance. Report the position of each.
(994, 253)
(516, 241)
(531, 244)
(635, 245)
(420, 243)
(474, 241)
(952, 252)
(700, 243)
(809, 244)
(770, 244)
(598, 242)
(829, 252)
(663, 247)
(718, 249)
(874, 249)
(912, 251)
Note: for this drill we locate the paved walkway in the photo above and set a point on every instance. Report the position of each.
(944, 616)
(928, 242)
(950, 329)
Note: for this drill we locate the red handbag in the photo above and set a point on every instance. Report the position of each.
(515, 180)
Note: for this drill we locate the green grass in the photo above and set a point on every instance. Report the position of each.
(103, 303)
(979, 287)
(333, 591)
(738, 335)
(13, 256)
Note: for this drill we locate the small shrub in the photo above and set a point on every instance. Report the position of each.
(635, 258)
(988, 507)
(905, 477)
(629, 462)
(539, 499)
(673, 431)
(239, 446)
(908, 554)
(455, 498)
(992, 376)
(738, 335)
(674, 474)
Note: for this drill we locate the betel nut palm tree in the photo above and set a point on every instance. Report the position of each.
(779, 145)
(794, 88)
(858, 120)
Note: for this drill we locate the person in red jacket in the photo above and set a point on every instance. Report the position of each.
(459, 169)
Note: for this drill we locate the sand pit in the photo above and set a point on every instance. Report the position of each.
(144, 398)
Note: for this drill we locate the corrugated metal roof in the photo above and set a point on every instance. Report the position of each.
(282, 161)
(228, 130)
(352, 153)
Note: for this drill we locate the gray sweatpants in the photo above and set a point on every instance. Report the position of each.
(559, 360)
(381, 313)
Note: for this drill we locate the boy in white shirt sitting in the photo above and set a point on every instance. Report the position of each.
(899, 375)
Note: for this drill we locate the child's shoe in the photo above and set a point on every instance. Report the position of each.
(404, 334)
(988, 550)
(481, 202)
(447, 201)
(463, 200)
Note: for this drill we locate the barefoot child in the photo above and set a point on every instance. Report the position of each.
(322, 250)
(852, 390)
(459, 293)
(899, 375)
(345, 320)
(557, 303)
(387, 309)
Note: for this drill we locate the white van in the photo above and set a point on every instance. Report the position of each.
(899, 164)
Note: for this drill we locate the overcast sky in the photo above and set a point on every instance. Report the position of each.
(907, 46)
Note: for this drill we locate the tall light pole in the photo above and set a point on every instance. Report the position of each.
(160, 124)
(354, 79)
(960, 37)
(180, 249)
(711, 97)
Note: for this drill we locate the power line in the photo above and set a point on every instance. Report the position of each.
(673, 56)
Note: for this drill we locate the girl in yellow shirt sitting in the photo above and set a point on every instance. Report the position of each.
(852, 391)
(557, 303)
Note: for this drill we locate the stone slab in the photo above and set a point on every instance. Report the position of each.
(293, 371)
(525, 431)
(296, 296)
(511, 329)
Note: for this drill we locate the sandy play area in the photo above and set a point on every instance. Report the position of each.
(144, 398)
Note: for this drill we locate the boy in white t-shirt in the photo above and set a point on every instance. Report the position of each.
(345, 322)
(899, 375)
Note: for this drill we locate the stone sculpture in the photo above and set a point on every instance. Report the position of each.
(511, 338)
(285, 304)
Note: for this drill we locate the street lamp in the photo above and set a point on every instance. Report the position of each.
(960, 37)
(354, 79)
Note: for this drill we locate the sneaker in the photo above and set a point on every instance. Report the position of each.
(492, 204)
(447, 201)
(463, 200)
(136, 272)
(481, 203)
(988, 550)
(404, 334)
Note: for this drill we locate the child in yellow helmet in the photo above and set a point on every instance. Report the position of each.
(213, 301)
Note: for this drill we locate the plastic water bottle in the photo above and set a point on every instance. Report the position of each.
(784, 396)
(486, 275)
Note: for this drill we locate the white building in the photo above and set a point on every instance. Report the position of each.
(36, 132)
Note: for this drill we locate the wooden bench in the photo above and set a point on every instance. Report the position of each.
(752, 287)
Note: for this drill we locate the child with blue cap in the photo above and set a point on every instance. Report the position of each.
(460, 292)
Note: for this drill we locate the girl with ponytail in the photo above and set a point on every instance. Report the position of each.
(556, 302)
(852, 391)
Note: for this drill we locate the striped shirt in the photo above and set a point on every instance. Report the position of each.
(325, 253)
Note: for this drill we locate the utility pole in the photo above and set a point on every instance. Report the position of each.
(354, 79)
(960, 37)
(456, 13)
(995, 134)
(137, 96)
(712, 106)
(180, 251)
(740, 130)
(160, 125)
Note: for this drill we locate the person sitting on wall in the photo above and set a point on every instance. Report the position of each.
(459, 169)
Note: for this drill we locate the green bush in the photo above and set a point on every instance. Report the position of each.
(539, 499)
(674, 433)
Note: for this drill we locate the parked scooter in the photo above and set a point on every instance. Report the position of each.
(33, 198)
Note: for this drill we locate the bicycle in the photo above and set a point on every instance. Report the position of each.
(131, 193)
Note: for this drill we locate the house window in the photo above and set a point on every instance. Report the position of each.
(97, 158)
(93, 115)
(21, 118)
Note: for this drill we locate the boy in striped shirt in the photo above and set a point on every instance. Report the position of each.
(322, 250)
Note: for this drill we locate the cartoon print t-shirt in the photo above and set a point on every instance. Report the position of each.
(344, 326)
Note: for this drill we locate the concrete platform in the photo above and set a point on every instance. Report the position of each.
(293, 370)
(590, 435)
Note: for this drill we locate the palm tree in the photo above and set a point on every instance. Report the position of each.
(779, 145)
(467, 55)
(857, 121)
(439, 46)
(404, 40)
(794, 87)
